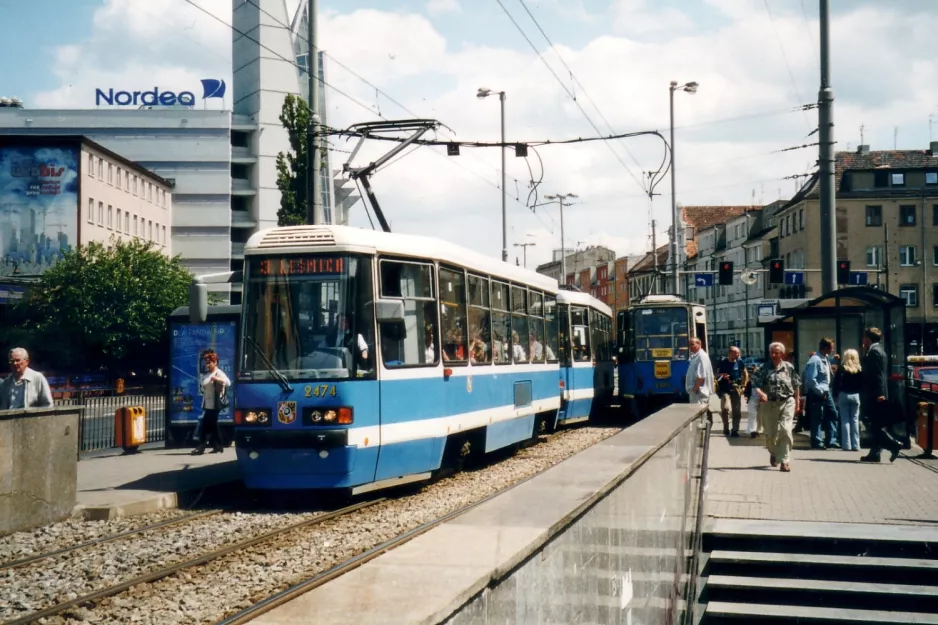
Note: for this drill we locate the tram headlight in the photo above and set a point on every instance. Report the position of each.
(339, 415)
(329, 416)
(252, 416)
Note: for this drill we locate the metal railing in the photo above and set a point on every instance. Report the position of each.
(96, 420)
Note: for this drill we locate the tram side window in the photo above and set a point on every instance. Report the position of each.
(563, 334)
(480, 335)
(551, 328)
(596, 334)
(501, 324)
(412, 343)
(519, 324)
(453, 315)
(579, 328)
(536, 348)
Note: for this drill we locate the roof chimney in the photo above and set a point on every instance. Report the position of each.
(863, 148)
(933, 148)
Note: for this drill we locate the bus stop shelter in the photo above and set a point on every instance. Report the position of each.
(843, 315)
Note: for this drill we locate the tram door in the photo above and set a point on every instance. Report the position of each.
(577, 368)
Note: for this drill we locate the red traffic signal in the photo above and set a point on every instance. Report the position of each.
(726, 273)
(843, 272)
(777, 271)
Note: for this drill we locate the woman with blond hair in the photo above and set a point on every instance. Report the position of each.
(848, 384)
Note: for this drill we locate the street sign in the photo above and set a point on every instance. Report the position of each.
(703, 279)
(794, 277)
(859, 278)
(766, 310)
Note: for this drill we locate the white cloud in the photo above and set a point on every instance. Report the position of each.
(443, 6)
(885, 72)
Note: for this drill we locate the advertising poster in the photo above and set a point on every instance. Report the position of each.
(188, 343)
(38, 207)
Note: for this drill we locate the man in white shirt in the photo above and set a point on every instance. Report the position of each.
(699, 380)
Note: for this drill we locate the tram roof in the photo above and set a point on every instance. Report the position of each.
(583, 299)
(305, 239)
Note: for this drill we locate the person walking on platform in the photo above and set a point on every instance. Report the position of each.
(848, 385)
(215, 385)
(24, 387)
(732, 379)
(778, 387)
(819, 402)
(699, 380)
(876, 396)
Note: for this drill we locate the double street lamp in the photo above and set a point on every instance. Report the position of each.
(560, 197)
(690, 87)
(483, 93)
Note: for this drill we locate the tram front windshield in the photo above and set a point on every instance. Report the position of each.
(660, 333)
(307, 317)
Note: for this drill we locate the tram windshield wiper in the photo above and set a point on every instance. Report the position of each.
(281, 379)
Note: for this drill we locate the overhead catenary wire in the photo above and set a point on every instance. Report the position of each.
(568, 92)
(378, 90)
(575, 79)
(781, 47)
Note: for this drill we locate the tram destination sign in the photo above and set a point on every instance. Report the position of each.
(298, 266)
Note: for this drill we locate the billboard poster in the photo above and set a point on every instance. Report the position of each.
(188, 343)
(38, 207)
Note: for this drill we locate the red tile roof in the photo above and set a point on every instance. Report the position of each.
(878, 159)
(703, 217)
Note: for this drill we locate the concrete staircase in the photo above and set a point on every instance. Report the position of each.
(818, 573)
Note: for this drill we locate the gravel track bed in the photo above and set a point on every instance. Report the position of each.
(46, 582)
(208, 593)
(73, 532)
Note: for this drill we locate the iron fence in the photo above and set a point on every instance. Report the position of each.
(96, 421)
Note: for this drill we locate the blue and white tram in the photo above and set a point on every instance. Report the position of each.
(372, 359)
(586, 345)
(654, 351)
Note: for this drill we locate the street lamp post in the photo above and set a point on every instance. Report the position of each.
(690, 87)
(483, 93)
(560, 197)
(524, 247)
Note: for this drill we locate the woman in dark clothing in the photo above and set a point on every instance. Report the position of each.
(848, 385)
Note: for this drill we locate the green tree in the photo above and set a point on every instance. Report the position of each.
(106, 307)
(292, 177)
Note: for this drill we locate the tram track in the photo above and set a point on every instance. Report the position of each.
(147, 578)
(12, 564)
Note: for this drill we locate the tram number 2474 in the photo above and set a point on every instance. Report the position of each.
(319, 390)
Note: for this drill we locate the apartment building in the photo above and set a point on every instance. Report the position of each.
(887, 225)
(647, 275)
(581, 267)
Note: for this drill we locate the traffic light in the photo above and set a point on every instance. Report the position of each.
(726, 273)
(777, 271)
(843, 272)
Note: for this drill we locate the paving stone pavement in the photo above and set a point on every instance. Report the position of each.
(823, 486)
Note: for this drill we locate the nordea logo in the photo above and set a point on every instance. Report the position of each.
(211, 87)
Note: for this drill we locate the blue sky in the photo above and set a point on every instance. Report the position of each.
(754, 64)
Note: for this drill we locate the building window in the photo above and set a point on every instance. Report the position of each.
(91, 165)
(135, 185)
(801, 219)
(101, 214)
(127, 181)
(150, 191)
(118, 181)
(931, 177)
(119, 221)
(110, 217)
(934, 260)
(164, 236)
(909, 293)
(934, 295)
(110, 174)
(907, 215)
(907, 255)
(898, 180)
(874, 216)
(135, 226)
(90, 210)
(934, 215)
(150, 231)
(874, 256)
(126, 223)
(100, 169)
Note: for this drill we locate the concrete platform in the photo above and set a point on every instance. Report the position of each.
(824, 485)
(431, 577)
(125, 485)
